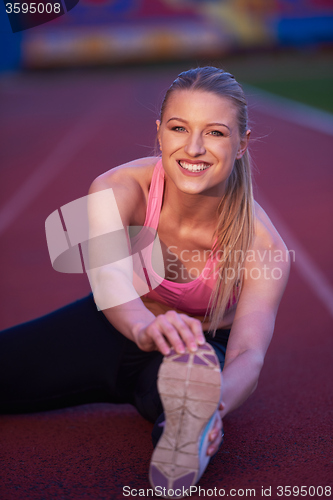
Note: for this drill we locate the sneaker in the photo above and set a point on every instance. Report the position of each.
(190, 389)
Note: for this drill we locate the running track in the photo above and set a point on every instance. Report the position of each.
(59, 128)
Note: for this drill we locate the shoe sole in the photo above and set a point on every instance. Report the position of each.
(190, 389)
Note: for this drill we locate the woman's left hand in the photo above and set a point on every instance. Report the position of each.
(216, 434)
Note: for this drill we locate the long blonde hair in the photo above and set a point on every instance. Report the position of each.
(235, 228)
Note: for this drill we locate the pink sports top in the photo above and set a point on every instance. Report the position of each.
(192, 297)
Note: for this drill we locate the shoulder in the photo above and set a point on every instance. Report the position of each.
(130, 184)
(267, 262)
(266, 236)
(135, 174)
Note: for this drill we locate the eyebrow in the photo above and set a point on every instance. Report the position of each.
(208, 124)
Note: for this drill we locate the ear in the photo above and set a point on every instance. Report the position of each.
(243, 144)
(158, 124)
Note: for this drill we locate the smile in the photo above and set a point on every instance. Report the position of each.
(193, 167)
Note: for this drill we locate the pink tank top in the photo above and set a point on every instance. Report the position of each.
(192, 297)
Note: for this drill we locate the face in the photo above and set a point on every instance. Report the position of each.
(200, 141)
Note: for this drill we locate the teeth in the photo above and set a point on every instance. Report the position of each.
(193, 167)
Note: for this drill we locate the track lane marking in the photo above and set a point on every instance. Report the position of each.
(309, 117)
(55, 162)
(289, 110)
(304, 263)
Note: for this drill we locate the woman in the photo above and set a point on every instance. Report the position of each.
(215, 307)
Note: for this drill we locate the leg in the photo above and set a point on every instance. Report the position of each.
(69, 357)
(138, 380)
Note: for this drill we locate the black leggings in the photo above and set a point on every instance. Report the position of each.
(75, 356)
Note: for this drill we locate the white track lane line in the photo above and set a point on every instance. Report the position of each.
(320, 121)
(289, 110)
(55, 162)
(305, 265)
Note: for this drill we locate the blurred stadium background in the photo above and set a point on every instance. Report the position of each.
(79, 95)
(285, 35)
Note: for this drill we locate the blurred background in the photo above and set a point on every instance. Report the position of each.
(274, 44)
(79, 95)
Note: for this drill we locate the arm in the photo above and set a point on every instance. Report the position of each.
(118, 201)
(254, 321)
(253, 326)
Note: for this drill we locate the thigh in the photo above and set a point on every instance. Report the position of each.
(137, 381)
(71, 356)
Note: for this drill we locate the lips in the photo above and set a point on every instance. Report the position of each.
(192, 166)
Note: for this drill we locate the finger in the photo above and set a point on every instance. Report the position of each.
(217, 429)
(183, 331)
(144, 341)
(196, 327)
(159, 340)
(216, 436)
(171, 334)
(214, 446)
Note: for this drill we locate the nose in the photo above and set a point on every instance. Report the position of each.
(195, 145)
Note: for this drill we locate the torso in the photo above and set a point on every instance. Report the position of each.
(173, 240)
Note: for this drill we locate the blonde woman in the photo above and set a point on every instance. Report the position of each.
(212, 307)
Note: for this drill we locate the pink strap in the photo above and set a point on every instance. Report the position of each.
(155, 196)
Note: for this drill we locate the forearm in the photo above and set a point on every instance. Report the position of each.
(129, 318)
(119, 301)
(240, 378)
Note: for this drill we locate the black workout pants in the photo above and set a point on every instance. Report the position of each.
(75, 356)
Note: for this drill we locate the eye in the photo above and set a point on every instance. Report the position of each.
(217, 133)
(178, 129)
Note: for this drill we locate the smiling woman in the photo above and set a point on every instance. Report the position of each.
(200, 297)
(204, 116)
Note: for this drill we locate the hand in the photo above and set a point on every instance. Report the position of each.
(170, 330)
(216, 434)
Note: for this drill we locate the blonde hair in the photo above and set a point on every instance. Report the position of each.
(235, 228)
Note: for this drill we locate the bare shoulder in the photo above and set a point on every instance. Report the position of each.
(268, 260)
(136, 172)
(130, 183)
(266, 235)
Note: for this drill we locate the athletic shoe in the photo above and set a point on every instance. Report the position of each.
(190, 388)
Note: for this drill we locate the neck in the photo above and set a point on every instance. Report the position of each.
(192, 210)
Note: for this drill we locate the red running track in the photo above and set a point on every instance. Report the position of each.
(65, 127)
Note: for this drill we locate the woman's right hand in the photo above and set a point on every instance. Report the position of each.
(170, 330)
